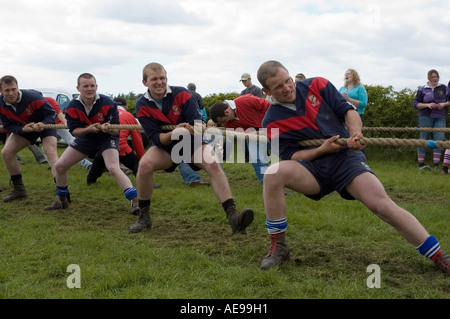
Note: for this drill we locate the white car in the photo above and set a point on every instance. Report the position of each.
(63, 97)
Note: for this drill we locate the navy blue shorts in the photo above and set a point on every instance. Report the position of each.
(90, 147)
(180, 153)
(32, 137)
(335, 171)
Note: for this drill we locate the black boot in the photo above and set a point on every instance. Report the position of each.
(144, 221)
(18, 192)
(239, 222)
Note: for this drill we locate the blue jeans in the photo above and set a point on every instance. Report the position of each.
(188, 174)
(258, 158)
(426, 121)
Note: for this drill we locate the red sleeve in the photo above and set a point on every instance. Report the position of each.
(54, 104)
(127, 118)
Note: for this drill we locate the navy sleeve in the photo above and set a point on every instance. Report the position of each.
(336, 101)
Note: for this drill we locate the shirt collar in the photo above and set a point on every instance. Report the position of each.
(231, 103)
(427, 86)
(149, 97)
(97, 97)
(288, 105)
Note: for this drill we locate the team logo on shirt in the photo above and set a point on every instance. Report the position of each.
(100, 117)
(313, 100)
(176, 110)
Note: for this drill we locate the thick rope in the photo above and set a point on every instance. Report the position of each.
(405, 129)
(385, 142)
(307, 143)
(172, 127)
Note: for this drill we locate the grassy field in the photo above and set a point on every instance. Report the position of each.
(191, 254)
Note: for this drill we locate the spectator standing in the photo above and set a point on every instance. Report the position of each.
(354, 92)
(431, 101)
(300, 77)
(250, 88)
(446, 162)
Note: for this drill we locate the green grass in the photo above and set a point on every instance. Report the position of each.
(190, 252)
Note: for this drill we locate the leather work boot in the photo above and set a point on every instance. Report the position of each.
(239, 222)
(143, 222)
(278, 252)
(134, 203)
(18, 191)
(60, 202)
(442, 262)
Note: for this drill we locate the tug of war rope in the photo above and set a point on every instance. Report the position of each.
(396, 142)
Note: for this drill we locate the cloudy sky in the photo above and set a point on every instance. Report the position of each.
(48, 43)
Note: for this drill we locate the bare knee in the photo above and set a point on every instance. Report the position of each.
(383, 207)
(60, 168)
(146, 167)
(275, 176)
(7, 154)
(212, 168)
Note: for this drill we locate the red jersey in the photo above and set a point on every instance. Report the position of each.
(250, 111)
(55, 105)
(126, 118)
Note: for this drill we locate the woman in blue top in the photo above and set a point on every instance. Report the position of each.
(354, 92)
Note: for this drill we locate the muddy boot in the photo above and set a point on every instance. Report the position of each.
(239, 222)
(18, 192)
(144, 221)
(60, 202)
(442, 262)
(134, 203)
(278, 252)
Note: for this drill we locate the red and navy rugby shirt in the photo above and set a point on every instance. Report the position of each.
(318, 113)
(103, 111)
(250, 111)
(178, 106)
(32, 108)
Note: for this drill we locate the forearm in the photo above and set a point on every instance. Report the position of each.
(165, 138)
(308, 155)
(353, 122)
(80, 131)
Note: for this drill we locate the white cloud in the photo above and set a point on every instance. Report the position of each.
(212, 42)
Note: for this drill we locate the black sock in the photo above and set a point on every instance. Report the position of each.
(229, 205)
(144, 203)
(16, 177)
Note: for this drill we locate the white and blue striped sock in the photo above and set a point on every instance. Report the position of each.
(275, 227)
